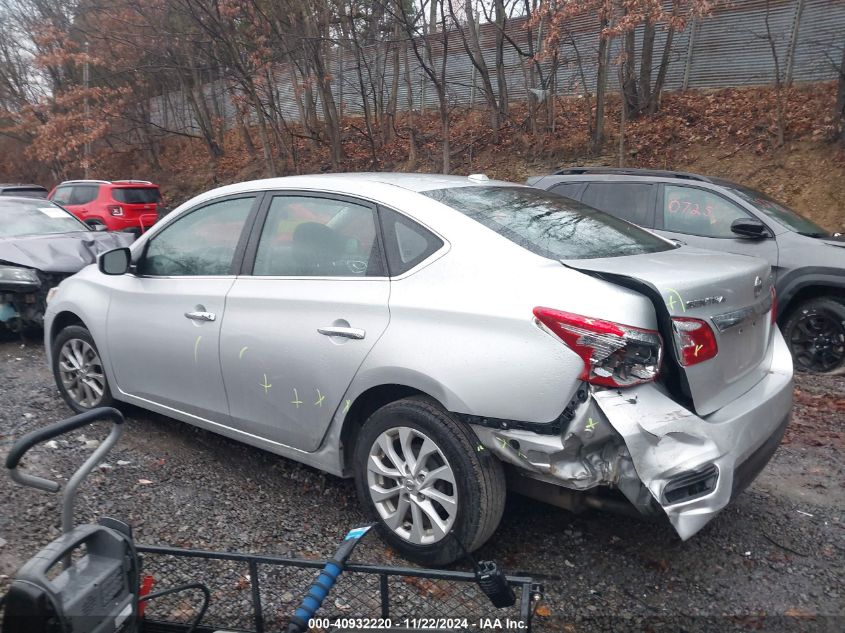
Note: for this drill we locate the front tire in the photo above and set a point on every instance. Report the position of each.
(78, 370)
(426, 479)
(815, 333)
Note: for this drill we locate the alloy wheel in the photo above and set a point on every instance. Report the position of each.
(412, 485)
(818, 342)
(81, 372)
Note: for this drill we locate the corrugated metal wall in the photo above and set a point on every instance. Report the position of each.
(728, 48)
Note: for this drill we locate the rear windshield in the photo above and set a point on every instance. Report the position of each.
(35, 217)
(775, 210)
(548, 224)
(136, 195)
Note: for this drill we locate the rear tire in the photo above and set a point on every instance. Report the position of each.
(815, 333)
(78, 370)
(462, 488)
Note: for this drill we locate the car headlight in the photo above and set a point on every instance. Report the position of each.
(16, 276)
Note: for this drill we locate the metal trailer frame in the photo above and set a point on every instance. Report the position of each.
(528, 591)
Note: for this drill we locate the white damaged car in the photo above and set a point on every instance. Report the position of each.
(427, 335)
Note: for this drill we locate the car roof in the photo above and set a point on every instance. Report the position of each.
(19, 185)
(349, 182)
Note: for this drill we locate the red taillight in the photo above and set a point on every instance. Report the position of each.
(774, 314)
(115, 209)
(694, 340)
(614, 355)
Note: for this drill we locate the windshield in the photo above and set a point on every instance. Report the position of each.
(136, 195)
(779, 212)
(35, 217)
(548, 224)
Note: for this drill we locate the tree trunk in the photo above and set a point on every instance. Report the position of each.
(653, 104)
(472, 46)
(390, 114)
(409, 87)
(629, 78)
(501, 17)
(601, 87)
(644, 94)
(839, 115)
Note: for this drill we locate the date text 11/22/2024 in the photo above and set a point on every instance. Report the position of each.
(414, 625)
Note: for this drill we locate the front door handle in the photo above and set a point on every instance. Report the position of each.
(346, 332)
(200, 316)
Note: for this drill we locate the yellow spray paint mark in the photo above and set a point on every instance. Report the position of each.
(296, 399)
(347, 405)
(241, 355)
(503, 442)
(196, 349)
(479, 448)
(591, 425)
(320, 398)
(266, 385)
(670, 301)
(698, 349)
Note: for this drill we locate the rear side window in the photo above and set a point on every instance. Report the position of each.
(549, 225)
(136, 195)
(309, 236)
(630, 201)
(406, 243)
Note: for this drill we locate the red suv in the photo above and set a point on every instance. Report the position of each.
(118, 205)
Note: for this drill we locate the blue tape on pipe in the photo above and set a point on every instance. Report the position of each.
(357, 532)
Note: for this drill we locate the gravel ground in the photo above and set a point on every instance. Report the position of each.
(774, 560)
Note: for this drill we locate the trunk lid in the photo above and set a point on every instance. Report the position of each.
(731, 293)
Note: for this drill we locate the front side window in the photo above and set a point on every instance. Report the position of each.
(62, 195)
(699, 212)
(630, 201)
(305, 236)
(35, 217)
(779, 212)
(201, 243)
(548, 224)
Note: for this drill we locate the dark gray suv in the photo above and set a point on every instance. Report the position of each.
(808, 262)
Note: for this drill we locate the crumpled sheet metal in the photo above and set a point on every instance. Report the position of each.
(664, 439)
(61, 253)
(589, 453)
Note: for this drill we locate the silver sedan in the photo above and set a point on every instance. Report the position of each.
(428, 335)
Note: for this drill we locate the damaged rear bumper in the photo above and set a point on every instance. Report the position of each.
(655, 451)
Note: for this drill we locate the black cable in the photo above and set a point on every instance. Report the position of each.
(195, 585)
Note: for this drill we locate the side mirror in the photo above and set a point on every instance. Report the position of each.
(114, 262)
(99, 227)
(751, 228)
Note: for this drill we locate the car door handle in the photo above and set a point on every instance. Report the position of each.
(345, 332)
(200, 316)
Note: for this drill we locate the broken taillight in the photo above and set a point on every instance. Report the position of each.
(694, 340)
(614, 355)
